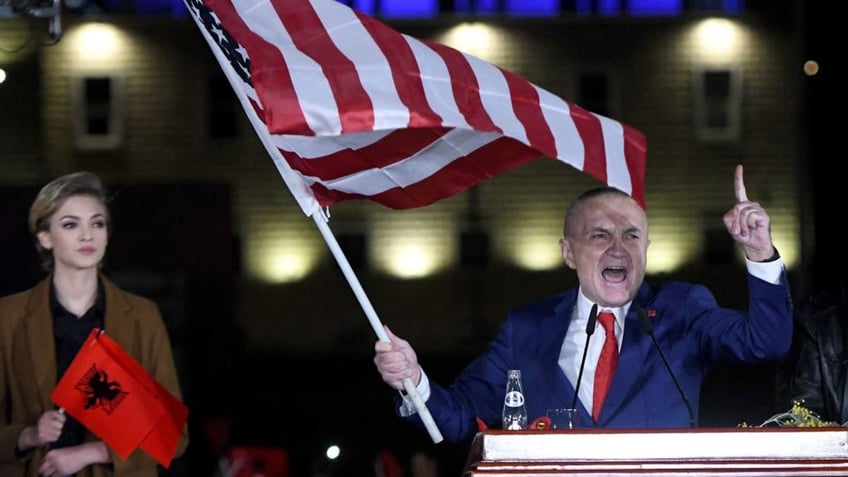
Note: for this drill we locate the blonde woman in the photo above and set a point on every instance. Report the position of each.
(41, 330)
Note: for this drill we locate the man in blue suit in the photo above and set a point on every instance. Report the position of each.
(605, 242)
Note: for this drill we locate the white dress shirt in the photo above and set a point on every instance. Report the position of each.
(571, 354)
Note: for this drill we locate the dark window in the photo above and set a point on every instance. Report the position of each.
(474, 249)
(98, 105)
(355, 248)
(717, 94)
(223, 107)
(718, 104)
(593, 93)
(719, 247)
(98, 112)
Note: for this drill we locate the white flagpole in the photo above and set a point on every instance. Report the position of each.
(321, 221)
(310, 207)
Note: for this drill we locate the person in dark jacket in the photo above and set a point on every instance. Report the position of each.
(814, 372)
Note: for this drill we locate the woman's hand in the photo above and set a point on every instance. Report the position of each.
(69, 460)
(46, 430)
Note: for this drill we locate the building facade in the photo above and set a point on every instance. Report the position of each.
(206, 225)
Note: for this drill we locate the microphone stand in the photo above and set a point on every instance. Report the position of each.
(648, 328)
(590, 328)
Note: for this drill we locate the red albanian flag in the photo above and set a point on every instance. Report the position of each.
(114, 397)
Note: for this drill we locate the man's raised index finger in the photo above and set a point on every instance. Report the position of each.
(739, 185)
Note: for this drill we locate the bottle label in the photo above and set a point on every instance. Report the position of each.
(515, 426)
(514, 399)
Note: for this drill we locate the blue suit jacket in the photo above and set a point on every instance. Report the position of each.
(689, 326)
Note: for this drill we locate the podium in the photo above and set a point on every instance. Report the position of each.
(756, 451)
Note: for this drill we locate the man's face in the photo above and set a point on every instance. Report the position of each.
(607, 244)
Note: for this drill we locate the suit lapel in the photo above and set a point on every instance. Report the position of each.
(116, 316)
(552, 334)
(38, 331)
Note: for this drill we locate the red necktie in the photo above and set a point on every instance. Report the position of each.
(607, 363)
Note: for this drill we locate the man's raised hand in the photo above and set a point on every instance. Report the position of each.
(748, 223)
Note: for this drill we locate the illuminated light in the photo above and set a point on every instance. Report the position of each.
(415, 244)
(2, 75)
(333, 452)
(665, 257)
(412, 261)
(787, 242)
(97, 43)
(539, 253)
(530, 240)
(279, 253)
(811, 67)
(675, 241)
(283, 261)
(476, 39)
(718, 39)
(287, 267)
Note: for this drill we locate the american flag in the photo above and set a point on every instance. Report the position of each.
(349, 108)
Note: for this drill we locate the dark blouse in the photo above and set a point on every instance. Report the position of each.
(70, 332)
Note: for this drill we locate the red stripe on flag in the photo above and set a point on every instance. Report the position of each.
(407, 76)
(525, 103)
(466, 90)
(400, 106)
(397, 146)
(635, 150)
(310, 37)
(257, 108)
(452, 179)
(269, 73)
(589, 129)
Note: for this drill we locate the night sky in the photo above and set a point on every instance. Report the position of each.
(825, 96)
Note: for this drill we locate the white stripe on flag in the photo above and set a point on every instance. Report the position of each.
(436, 80)
(496, 98)
(425, 163)
(375, 74)
(618, 174)
(309, 146)
(302, 194)
(310, 84)
(342, 66)
(557, 113)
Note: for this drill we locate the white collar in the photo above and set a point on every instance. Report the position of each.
(584, 306)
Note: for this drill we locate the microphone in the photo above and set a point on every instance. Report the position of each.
(648, 328)
(590, 328)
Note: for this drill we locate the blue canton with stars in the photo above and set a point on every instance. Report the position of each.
(232, 50)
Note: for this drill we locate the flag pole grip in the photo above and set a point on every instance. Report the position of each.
(321, 221)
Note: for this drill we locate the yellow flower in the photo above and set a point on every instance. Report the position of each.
(797, 416)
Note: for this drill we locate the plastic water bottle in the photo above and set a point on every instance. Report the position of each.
(514, 415)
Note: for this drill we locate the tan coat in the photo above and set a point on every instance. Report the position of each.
(28, 370)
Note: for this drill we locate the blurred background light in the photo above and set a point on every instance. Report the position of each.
(333, 452)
